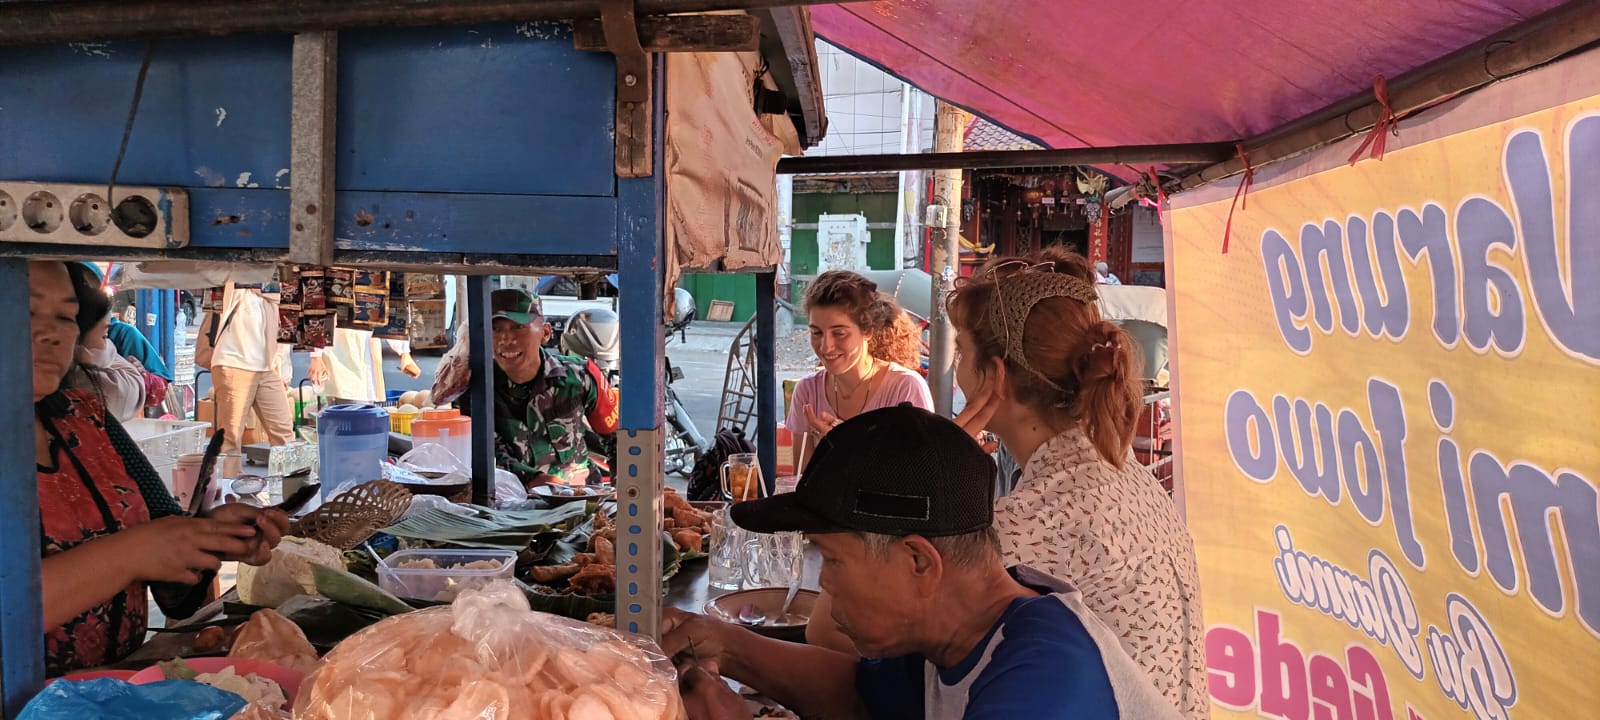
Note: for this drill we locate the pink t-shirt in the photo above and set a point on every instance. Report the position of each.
(899, 386)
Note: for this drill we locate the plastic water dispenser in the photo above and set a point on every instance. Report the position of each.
(352, 445)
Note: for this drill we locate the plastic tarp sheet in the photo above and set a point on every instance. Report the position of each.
(1119, 303)
(1070, 74)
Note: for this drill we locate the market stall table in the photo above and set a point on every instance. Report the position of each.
(689, 591)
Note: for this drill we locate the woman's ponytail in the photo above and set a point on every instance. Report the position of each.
(1110, 389)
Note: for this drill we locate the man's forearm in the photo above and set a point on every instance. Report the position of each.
(814, 682)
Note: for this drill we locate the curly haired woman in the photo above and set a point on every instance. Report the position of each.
(866, 345)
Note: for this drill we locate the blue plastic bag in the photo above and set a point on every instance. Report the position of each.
(111, 699)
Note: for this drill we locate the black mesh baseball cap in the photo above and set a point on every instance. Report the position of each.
(897, 471)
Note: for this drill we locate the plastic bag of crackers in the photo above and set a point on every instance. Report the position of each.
(488, 656)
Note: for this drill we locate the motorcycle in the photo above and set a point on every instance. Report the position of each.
(684, 443)
(592, 334)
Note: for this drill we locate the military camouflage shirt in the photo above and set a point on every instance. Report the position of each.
(539, 424)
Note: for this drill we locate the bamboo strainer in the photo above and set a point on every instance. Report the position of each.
(349, 519)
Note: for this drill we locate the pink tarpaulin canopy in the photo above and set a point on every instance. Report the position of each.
(1147, 72)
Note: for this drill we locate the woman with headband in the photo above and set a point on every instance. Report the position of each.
(1061, 387)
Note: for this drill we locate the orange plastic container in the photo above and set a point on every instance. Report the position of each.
(445, 427)
(785, 451)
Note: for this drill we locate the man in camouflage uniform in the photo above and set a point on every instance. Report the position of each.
(541, 397)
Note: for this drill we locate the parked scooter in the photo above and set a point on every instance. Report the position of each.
(593, 334)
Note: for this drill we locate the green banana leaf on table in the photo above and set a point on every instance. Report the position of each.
(348, 589)
(489, 529)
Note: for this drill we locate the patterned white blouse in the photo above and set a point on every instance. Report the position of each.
(1117, 536)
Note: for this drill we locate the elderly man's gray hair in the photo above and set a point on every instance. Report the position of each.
(964, 551)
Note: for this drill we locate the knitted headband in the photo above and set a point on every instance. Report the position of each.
(1017, 293)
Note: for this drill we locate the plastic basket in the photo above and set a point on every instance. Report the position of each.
(400, 422)
(166, 440)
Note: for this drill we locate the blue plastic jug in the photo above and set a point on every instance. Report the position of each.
(352, 445)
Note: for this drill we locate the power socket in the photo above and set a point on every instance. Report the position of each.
(60, 214)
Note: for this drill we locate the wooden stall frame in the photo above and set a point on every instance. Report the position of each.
(638, 253)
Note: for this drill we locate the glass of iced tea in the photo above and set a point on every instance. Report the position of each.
(741, 478)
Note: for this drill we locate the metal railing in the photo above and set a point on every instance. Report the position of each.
(1152, 441)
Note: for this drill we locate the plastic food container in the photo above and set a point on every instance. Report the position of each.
(448, 428)
(164, 441)
(448, 577)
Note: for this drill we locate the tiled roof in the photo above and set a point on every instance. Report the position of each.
(985, 135)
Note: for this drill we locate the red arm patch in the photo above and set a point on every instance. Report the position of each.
(606, 414)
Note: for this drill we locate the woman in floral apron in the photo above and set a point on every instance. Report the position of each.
(109, 529)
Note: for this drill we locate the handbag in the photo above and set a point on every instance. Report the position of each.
(205, 346)
(705, 480)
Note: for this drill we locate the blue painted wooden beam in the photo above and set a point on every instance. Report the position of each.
(481, 389)
(767, 376)
(413, 222)
(475, 223)
(507, 109)
(476, 140)
(21, 609)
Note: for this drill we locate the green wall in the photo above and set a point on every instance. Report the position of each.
(741, 289)
(878, 207)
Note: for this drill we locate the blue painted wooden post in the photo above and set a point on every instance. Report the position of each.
(167, 320)
(157, 320)
(641, 205)
(480, 393)
(145, 302)
(767, 376)
(21, 610)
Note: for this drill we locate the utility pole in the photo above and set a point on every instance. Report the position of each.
(950, 129)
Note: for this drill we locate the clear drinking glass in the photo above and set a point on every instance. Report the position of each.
(726, 561)
(774, 560)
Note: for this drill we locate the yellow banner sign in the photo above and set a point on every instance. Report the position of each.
(1389, 406)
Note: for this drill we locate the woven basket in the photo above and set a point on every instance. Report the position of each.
(349, 519)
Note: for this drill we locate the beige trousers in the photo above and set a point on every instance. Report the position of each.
(240, 391)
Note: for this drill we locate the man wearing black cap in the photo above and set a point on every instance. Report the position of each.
(900, 502)
(541, 398)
